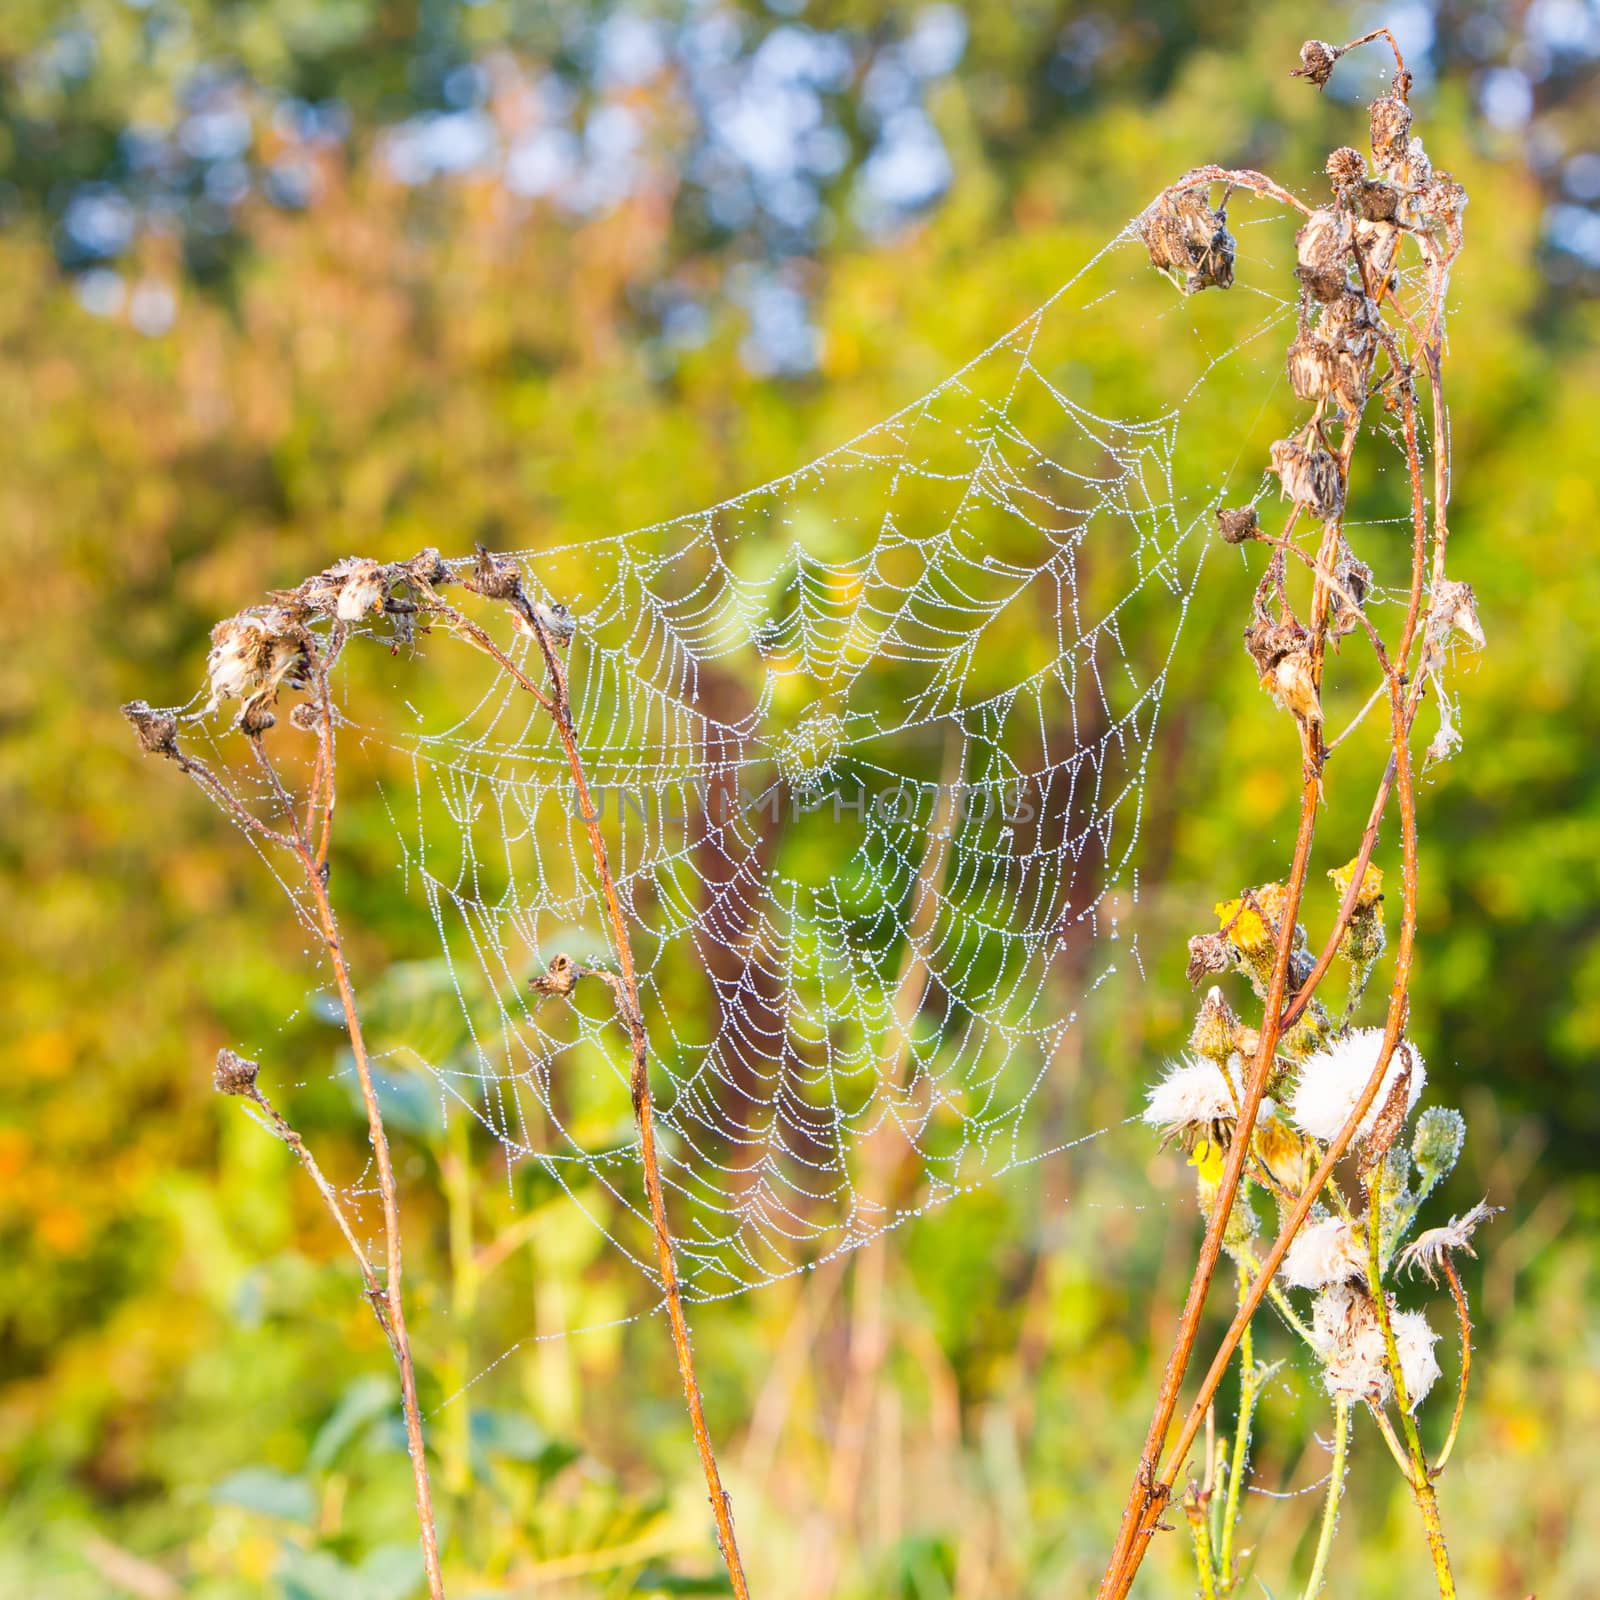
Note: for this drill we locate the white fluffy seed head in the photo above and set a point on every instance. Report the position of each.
(1331, 1082)
(1325, 1251)
(1419, 1366)
(1194, 1092)
(1349, 1339)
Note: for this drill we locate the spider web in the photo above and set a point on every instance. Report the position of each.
(870, 746)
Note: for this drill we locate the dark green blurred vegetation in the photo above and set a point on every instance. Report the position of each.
(216, 383)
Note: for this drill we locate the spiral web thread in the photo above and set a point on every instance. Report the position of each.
(870, 746)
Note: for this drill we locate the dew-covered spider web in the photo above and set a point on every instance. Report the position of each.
(871, 746)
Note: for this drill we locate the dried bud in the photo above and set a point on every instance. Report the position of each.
(1346, 168)
(1310, 477)
(1321, 248)
(494, 577)
(1216, 1028)
(1317, 57)
(156, 731)
(427, 567)
(1455, 610)
(306, 716)
(1377, 202)
(1186, 238)
(559, 978)
(1208, 953)
(1313, 367)
(1237, 524)
(1391, 128)
(235, 1075)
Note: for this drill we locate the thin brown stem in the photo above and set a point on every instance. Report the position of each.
(1464, 1321)
(559, 704)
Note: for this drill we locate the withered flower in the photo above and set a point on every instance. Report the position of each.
(1377, 202)
(156, 731)
(1237, 524)
(1317, 58)
(1293, 684)
(1310, 477)
(1269, 642)
(494, 577)
(1187, 239)
(1455, 610)
(1209, 953)
(1312, 365)
(235, 1075)
(427, 567)
(1429, 1251)
(558, 623)
(350, 590)
(253, 656)
(1321, 248)
(1391, 129)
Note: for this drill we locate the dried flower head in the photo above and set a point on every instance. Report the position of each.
(1332, 1080)
(1347, 602)
(1377, 201)
(253, 656)
(1209, 953)
(1322, 248)
(1312, 365)
(1349, 1338)
(1346, 168)
(350, 590)
(1189, 241)
(1317, 58)
(1429, 1251)
(1237, 524)
(1391, 129)
(235, 1075)
(1455, 610)
(1197, 1101)
(1370, 891)
(1310, 476)
(559, 978)
(1326, 1250)
(494, 577)
(1293, 684)
(426, 566)
(156, 731)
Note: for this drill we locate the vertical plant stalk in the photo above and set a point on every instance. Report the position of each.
(557, 702)
(1249, 1393)
(1152, 1486)
(386, 1297)
(314, 863)
(1330, 1506)
(1420, 1478)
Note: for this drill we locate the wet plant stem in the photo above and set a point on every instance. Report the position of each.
(1330, 1506)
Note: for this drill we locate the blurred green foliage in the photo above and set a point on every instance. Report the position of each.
(193, 1398)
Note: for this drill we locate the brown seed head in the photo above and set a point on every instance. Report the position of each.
(494, 577)
(1346, 167)
(156, 731)
(1310, 477)
(235, 1075)
(1208, 953)
(1322, 248)
(1317, 57)
(1391, 128)
(1312, 364)
(1184, 236)
(1237, 524)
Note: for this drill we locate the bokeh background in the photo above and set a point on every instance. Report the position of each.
(284, 280)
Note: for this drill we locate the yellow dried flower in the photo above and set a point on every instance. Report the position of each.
(1371, 890)
(1243, 924)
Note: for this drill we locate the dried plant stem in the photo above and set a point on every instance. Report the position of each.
(1420, 1478)
(387, 1298)
(399, 1337)
(558, 702)
(1330, 1506)
(1464, 1318)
